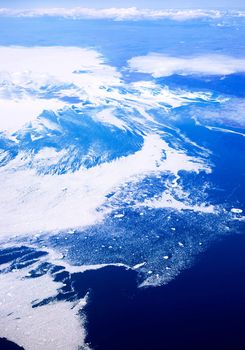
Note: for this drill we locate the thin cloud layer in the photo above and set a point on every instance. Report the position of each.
(161, 65)
(131, 13)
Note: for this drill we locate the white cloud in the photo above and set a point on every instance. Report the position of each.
(15, 113)
(131, 13)
(44, 66)
(159, 65)
(39, 78)
(27, 75)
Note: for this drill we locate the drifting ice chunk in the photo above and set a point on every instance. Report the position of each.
(118, 216)
(236, 210)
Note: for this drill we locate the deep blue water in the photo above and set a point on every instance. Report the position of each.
(203, 308)
(8, 345)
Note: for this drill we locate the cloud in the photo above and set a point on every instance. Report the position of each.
(42, 66)
(130, 13)
(159, 65)
(38, 78)
(16, 113)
